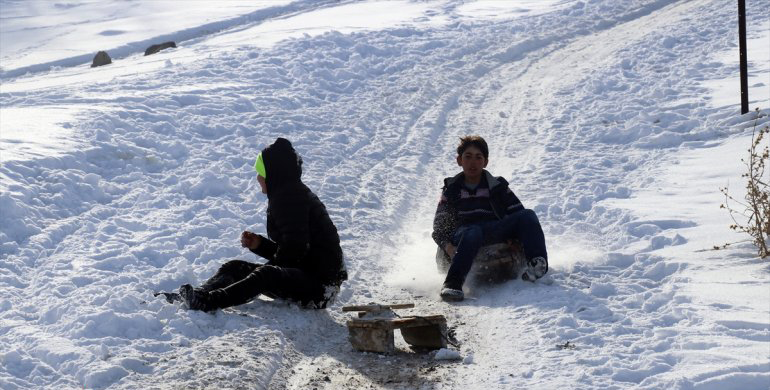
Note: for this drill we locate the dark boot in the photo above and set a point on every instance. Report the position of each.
(536, 268)
(171, 297)
(197, 298)
(452, 291)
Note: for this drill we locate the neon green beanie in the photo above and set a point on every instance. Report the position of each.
(259, 166)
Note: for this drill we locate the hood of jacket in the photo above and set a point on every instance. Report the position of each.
(283, 166)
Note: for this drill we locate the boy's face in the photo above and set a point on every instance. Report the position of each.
(473, 162)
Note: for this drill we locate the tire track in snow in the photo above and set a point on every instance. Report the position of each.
(498, 305)
(520, 316)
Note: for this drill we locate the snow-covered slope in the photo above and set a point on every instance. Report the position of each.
(610, 119)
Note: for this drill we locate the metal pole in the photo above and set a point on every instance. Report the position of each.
(744, 60)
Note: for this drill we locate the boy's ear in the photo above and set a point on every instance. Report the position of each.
(460, 160)
(486, 161)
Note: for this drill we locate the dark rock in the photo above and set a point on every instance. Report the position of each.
(101, 58)
(158, 47)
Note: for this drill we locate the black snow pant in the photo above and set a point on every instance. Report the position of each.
(237, 282)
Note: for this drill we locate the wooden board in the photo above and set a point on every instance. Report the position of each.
(376, 334)
(396, 323)
(375, 307)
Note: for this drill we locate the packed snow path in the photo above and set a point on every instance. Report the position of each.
(581, 105)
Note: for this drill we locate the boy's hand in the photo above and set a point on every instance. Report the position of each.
(250, 240)
(450, 250)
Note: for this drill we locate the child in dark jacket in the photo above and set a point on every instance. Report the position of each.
(479, 209)
(305, 262)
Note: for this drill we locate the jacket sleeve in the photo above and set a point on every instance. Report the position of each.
(292, 224)
(266, 249)
(511, 202)
(444, 222)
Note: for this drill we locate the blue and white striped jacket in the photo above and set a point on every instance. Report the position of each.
(459, 206)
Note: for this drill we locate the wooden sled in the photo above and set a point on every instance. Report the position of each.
(373, 330)
(495, 263)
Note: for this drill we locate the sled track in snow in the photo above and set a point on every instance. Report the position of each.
(540, 115)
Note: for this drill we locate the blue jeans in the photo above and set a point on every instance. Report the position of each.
(522, 225)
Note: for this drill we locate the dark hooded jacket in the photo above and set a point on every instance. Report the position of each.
(301, 233)
(501, 202)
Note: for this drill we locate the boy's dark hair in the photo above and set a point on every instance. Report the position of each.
(473, 140)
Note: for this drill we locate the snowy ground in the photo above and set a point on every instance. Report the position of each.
(616, 121)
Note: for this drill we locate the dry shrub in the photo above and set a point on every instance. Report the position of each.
(755, 217)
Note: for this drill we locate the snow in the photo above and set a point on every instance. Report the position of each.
(39, 131)
(344, 18)
(447, 354)
(617, 122)
(48, 33)
(491, 9)
(759, 87)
